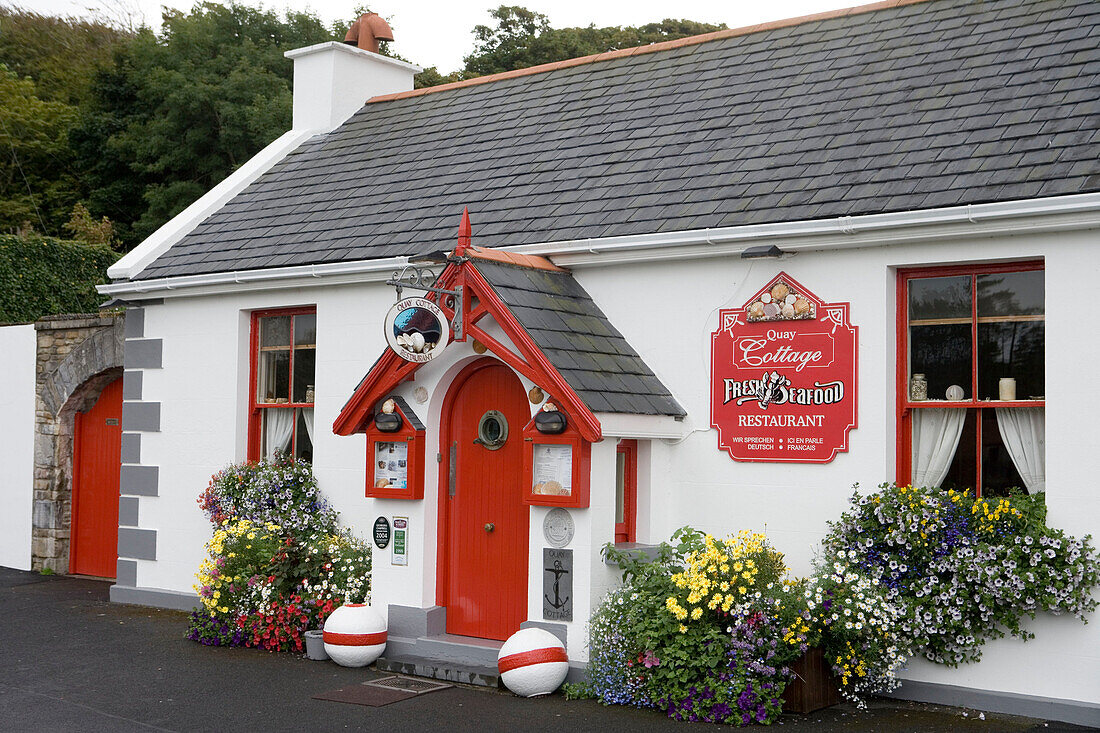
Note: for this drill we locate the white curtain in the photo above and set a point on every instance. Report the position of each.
(1023, 430)
(278, 429)
(307, 413)
(935, 437)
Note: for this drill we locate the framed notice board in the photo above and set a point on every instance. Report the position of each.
(557, 469)
(395, 459)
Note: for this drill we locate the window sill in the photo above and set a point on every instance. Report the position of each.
(636, 550)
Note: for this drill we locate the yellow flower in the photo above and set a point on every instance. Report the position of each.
(697, 614)
(683, 629)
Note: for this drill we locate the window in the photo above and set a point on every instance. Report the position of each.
(971, 378)
(626, 490)
(284, 347)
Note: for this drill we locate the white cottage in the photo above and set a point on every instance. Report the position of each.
(855, 218)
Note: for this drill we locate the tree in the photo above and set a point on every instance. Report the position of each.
(37, 185)
(523, 38)
(183, 110)
(61, 55)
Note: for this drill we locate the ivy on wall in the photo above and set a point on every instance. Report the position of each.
(41, 276)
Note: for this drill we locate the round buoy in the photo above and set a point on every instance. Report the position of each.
(533, 662)
(355, 635)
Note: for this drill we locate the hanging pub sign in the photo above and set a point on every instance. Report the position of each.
(783, 376)
(417, 329)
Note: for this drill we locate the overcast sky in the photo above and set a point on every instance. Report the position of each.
(438, 32)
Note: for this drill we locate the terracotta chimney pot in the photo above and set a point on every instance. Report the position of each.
(366, 32)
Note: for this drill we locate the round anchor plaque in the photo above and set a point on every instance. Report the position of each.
(558, 527)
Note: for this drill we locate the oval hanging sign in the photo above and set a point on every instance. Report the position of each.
(417, 330)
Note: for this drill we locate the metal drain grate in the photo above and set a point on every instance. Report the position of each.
(408, 684)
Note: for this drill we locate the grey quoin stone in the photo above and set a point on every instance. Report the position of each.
(141, 416)
(140, 480)
(143, 353)
(139, 544)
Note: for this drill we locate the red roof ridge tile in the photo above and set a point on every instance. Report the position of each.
(535, 262)
(651, 48)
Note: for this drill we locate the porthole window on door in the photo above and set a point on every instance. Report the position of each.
(492, 430)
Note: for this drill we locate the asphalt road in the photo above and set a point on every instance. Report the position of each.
(73, 661)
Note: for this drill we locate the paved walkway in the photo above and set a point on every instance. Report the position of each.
(74, 661)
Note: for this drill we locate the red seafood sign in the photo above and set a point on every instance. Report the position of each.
(783, 376)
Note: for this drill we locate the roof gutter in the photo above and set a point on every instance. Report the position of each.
(1029, 216)
(281, 277)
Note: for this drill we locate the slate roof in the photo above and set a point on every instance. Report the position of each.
(933, 104)
(575, 335)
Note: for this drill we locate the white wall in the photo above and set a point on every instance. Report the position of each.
(17, 344)
(703, 487)
(203, 390)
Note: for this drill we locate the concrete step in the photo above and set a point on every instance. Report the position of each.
(433, 669)
(448, 657)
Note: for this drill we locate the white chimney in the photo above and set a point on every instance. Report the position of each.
(332, 81)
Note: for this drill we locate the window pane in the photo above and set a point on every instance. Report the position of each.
(939, 297)
(962, 474)
(304, 367)
(276, 430)
(1011, 294)
(620, 487)
(942, 354)
(305, 329)
(275, 331)
(274, 376)
(1011, 349)
(303, 447)
(999, 473)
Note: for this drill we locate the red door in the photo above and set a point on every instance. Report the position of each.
(97, 443)
(484, 585)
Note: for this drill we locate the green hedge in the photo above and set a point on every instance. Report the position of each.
(41, 276)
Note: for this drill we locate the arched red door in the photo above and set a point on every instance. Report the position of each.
(97, 443)
(484, 543)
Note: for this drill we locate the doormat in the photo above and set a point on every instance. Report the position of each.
(377, 693)
(414, 685)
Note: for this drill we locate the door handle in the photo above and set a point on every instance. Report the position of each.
(489, 526)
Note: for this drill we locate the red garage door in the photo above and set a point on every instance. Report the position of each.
(97, 442)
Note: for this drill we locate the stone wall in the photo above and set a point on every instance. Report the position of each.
(77, 356)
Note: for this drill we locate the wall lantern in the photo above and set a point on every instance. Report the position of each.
(763, 250)
(550, 420)
(388, 419)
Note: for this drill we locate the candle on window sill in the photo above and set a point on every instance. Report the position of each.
(1007, 389)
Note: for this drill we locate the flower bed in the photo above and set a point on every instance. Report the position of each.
(710, 628)
(277, 564)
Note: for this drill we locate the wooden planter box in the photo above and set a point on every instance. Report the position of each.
(814, 686)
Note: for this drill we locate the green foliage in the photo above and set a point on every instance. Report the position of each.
(184, 109)
(524, 38)
(42, 276)
(61, 55)
(37, 185)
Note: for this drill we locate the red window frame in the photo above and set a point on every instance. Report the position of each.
(255, 408)
(626, 530)
(904, 405)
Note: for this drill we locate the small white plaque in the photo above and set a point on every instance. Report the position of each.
(558, 527)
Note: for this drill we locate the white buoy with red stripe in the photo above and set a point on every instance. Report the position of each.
(533, 662)
(355, 635)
